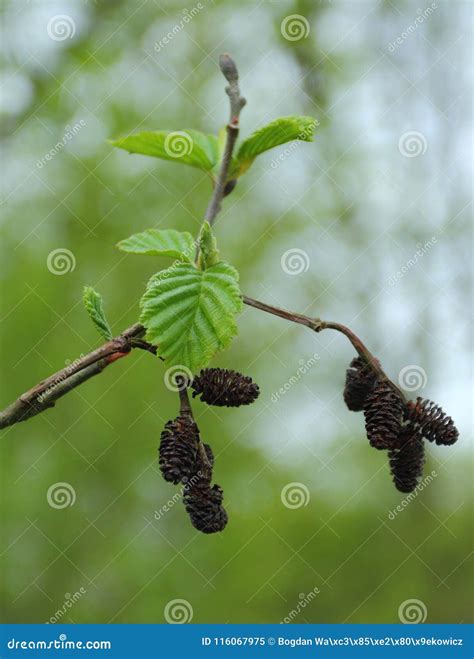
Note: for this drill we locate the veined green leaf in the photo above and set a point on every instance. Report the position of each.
(190, 313)
(160, 242)
(280, 131)
(209, 254)
(189, 147)
(94, 307)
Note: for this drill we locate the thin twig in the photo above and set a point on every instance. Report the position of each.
(44, 394)
(313, 323)
(318, 325)
(237, 102)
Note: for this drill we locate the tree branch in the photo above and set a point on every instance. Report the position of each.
(318, 325)
(44, 394)
(237, 102)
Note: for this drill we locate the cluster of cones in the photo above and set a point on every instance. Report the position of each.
(395, 425)
(185, 459)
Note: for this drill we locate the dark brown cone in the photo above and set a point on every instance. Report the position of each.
(383, 411)
(178, 448)
(224, 388)
(407, 459)
(433, 423)
(360, 380)
(204, 507)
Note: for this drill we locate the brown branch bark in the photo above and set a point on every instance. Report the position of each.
(318, 325)
(44, 394)
(237, 102)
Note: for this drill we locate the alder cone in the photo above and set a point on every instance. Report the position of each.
(224, 388)
(407, 459)
(383, 410)
(360, 381)
(204, 507)
(434, 424)
(178, 448)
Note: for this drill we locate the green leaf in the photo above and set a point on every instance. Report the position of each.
(280, 131)
(189, 147)
(157, 242)
(94, 307)
(190, 313)
(209, 254)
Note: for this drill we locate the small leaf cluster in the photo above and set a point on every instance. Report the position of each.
(191, 147)
(189, 309)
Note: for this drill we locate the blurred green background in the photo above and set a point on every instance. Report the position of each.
(358, 201)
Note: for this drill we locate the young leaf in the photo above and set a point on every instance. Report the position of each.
(94, 307)
(189, 147)
(209, 254)
(160, 242)
(280, 131)
(190, 313)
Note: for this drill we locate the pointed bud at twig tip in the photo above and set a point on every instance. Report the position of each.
(228, 67)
